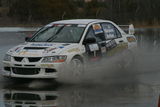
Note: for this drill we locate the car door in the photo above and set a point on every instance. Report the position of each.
(115, 42)
(95, 48)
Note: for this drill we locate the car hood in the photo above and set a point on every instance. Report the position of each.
(40, 49)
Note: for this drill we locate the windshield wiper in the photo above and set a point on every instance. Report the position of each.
(52, 38)
(55, 35)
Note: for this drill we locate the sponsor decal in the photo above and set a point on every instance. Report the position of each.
(17, 49)
(28, 50)
(109, 30)
(61, 47)
(74, 50)
(93, 47)
(97, 28)
(111, 44)
(22, 52)
(49, 50)
(109, 33)
(38, 44)
(28, 53)
(81, 25)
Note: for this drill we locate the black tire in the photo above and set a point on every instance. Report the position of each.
(77, 68)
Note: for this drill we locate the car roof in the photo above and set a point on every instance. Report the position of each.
(78, 21)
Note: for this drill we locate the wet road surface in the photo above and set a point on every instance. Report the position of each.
(136, 87)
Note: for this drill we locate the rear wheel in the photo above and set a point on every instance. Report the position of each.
(128, 60)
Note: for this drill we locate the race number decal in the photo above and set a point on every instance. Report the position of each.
(93, 47)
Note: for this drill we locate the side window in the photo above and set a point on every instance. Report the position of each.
(90, 33)
(96, 31)
(110, 31)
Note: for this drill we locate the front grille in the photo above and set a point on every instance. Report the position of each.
(18, 59)
(30, 59)
(34, 59)
(25, 71)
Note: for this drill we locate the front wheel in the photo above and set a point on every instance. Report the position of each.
(77, 68)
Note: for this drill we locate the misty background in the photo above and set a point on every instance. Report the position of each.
(104, 84)
(40, 12)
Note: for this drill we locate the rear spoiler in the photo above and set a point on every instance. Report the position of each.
(128, 28)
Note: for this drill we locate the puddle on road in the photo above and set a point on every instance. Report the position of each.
(138, 87)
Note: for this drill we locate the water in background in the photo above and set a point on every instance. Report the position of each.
(148, 38)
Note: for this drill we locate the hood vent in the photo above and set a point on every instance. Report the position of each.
(35, 48)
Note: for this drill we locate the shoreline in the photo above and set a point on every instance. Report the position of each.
(40, 25)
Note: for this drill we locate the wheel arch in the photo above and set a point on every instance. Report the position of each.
(79, 57)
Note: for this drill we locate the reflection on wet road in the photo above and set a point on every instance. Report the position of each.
(137, 87)
(111, 95)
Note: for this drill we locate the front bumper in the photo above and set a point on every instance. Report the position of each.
(32, 70)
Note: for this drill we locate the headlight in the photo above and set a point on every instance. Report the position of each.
(7, 57)
(54, 59)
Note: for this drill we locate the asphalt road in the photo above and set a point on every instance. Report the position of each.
(136, 87)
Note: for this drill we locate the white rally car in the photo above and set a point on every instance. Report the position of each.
(68, 42)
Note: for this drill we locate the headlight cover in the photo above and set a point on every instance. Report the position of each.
(7, 57)
(54, 59)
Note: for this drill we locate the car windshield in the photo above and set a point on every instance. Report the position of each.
(59, 33)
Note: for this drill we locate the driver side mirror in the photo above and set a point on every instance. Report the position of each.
(89, 40)
(27, 38)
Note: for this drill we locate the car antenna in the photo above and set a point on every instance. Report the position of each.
(64, 13)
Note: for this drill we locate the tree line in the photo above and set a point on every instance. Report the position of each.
(120, 11)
